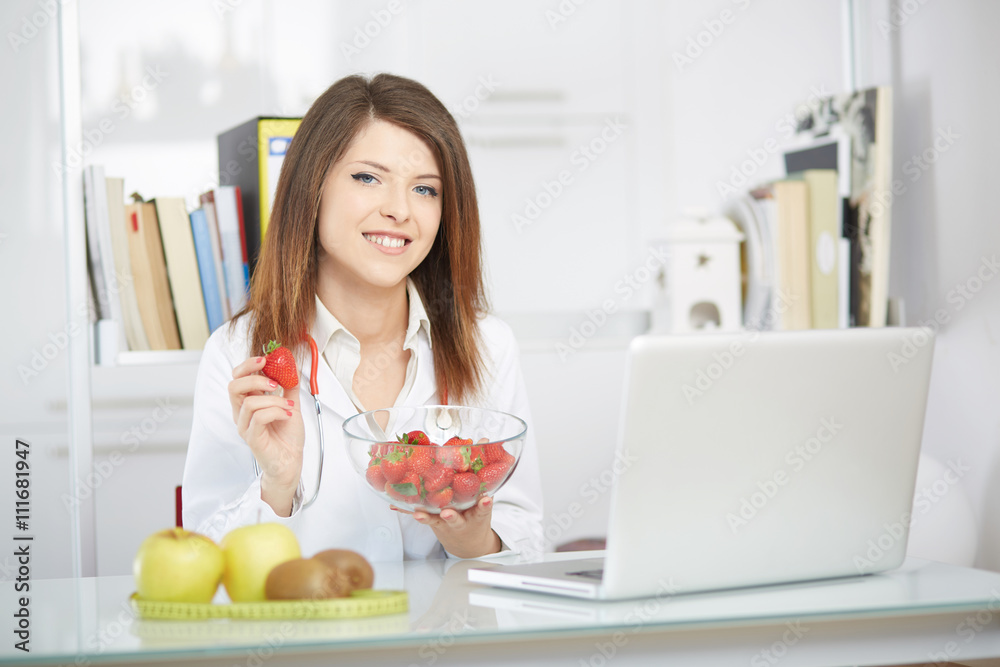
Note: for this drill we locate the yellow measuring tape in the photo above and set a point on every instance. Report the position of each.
(359, 604)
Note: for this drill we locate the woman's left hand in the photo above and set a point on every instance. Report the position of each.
(464, 534)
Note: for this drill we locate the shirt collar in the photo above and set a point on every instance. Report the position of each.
(326, 324)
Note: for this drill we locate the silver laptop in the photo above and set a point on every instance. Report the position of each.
(756, 458)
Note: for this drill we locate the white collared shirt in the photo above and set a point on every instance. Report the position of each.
(342, 350)
(222, 487)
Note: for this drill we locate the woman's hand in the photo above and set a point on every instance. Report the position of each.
(272, 426)
(464, 534)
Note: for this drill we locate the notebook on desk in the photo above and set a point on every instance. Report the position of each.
(754, 459)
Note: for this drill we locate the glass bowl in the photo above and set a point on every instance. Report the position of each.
(470, 453)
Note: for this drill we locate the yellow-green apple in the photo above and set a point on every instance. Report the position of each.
(177, 565)
(250, 553)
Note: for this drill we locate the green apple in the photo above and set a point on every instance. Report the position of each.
(177, 565)
(251, 552)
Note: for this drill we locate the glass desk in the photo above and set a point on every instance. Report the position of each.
(922, 612)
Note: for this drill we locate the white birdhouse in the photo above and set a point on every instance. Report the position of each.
(703, 277)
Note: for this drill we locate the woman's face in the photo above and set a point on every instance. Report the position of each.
(380, 209)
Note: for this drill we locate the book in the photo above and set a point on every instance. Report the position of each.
(149, 272)
(236, 268)
(865, 117)
(208, 206)
(761, 202)
(791, 199)
(182, 270)
(831, 151)
(206, 268)
(824, 247)
(250, 157)
(100, 258)
(879, 208)
(130, 326)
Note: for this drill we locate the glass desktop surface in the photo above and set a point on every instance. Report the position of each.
(88, 621)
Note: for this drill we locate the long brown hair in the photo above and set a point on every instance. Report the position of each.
(449, 280)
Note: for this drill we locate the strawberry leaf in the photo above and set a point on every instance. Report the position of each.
(407, 489)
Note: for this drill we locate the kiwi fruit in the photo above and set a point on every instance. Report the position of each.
(306, 579)
(358, 570)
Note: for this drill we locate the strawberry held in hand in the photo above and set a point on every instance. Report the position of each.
(279, 365)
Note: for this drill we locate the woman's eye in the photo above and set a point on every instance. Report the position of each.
(425, 190)
(367, 179)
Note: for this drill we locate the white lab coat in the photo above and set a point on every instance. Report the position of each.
(221, 490)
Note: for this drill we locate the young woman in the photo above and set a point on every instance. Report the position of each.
(373, 247)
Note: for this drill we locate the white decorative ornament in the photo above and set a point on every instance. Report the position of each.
(702, 276)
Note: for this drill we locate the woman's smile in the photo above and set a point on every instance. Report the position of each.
(390, 244)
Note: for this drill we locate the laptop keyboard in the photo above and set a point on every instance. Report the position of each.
(589, 574)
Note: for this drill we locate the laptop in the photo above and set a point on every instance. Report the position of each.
(754, 458)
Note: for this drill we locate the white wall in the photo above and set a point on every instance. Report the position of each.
(688, 127)
(940, 58)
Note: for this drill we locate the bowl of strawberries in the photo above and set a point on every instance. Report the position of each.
(433, 457)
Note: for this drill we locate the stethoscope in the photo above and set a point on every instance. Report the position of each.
(314, 390)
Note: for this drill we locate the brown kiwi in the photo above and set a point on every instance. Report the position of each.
(358, 570)
(305, 579)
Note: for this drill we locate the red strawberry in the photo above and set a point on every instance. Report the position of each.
(415, 438)
(440, 499)
(382, 449)
(394, 467)
(492, 475)
(279, 365)
(494, 452)
(375, 476)
(406, 490)
(437, 477)
(466, 486)
(476, 461)
(421, 458)
(456, 458)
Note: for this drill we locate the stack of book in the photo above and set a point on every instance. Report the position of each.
(166, 277)
(817, 251)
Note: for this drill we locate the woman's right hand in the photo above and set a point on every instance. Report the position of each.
(272, 426)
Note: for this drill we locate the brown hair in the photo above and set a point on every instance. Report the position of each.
(449, 280)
